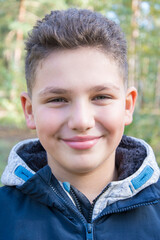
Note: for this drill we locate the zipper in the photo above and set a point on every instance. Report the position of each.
(78, 205)
(76, 200)
(69, 205)
(73, 195)
(94, 202)
(89, 231)
(88, 226)
(91, 213)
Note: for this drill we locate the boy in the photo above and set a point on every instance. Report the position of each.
(81, 179)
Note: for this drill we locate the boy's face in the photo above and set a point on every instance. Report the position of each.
(79, 108)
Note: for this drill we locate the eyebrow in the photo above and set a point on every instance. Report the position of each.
(56, 90)
(51, 90)
(100, 88)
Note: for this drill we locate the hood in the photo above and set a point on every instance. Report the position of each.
(131, 155)
(135, 162)
(137, 169)
(24, 160)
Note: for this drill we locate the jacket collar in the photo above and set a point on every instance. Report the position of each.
(133, 156)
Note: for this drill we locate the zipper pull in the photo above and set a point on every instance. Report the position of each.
(89, 231)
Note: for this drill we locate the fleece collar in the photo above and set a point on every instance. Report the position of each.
(30, 155)
(130, 155)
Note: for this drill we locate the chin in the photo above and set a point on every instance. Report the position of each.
(86, 168)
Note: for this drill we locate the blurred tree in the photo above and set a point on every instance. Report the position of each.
(135, 6)
(139, 20)
(157, 88)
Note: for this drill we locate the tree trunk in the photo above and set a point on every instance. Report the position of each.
(19, 34)
(142, 82)
(132, 47)
(157, 88)
(18, 50)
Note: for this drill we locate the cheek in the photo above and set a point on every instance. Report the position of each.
(48, 120)
(113, 118)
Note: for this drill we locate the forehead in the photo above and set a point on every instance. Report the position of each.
(78, 68)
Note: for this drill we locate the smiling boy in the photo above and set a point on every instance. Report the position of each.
(81, 179)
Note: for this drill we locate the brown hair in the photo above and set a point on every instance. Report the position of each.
(73, 28)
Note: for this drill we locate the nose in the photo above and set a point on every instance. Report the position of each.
(81, 117)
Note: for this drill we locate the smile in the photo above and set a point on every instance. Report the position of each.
(81, 143)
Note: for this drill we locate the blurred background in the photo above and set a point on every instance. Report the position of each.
(140, 20)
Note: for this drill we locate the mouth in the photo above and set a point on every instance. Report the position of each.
(81, 142)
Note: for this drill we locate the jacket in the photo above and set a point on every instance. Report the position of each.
(35, 205)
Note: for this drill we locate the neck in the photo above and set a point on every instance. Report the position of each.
(89, 183)
(92, 185)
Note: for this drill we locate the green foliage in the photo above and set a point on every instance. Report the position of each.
(147, 127)
(12, 79)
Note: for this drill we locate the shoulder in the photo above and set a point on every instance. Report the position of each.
(8, 193)
(5, 190)
(9, 200)
(11, 197)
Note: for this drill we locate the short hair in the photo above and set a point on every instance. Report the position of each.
(71, 29)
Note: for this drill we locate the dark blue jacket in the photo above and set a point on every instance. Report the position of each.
(36, 211)
(39, 209)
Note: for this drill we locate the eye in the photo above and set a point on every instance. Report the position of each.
(57, 100)
(102, 97)
(102, 100)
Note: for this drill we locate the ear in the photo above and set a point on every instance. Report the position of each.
(131, 96)
(27, 109)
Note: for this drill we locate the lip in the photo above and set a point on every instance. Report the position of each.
(81, 142)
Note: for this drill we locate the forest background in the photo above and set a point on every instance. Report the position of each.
(140, 21)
